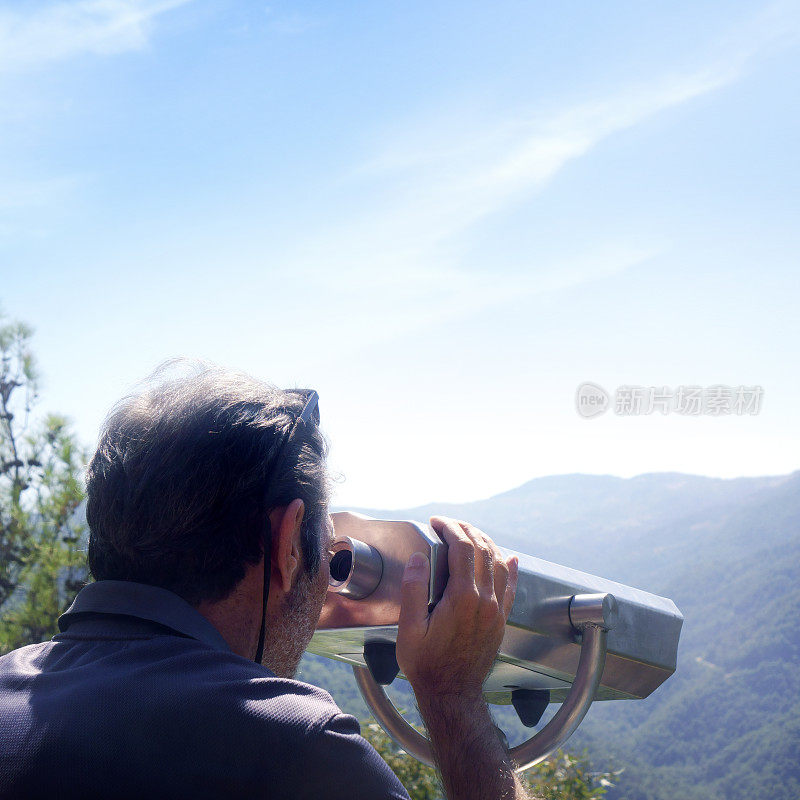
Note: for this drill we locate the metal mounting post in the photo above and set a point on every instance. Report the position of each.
(590, 615)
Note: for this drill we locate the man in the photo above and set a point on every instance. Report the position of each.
(207, 504)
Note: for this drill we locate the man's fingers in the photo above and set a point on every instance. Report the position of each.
(474, 559)
(460, 550)
(483, 559)
(511, 586)
(414, 595)
(501, 570)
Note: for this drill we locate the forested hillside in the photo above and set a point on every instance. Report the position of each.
(727, 724)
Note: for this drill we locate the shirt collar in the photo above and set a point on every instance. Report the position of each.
(144, 602)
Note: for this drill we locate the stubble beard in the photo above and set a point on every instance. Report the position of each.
(286, 644)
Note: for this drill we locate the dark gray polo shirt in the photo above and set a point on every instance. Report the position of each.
(140, 696)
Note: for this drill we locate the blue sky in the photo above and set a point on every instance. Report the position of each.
(443, 216)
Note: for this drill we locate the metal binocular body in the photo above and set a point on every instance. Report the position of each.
(571, 636)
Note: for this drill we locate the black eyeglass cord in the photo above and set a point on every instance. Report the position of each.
(306, 414)
(265, 596)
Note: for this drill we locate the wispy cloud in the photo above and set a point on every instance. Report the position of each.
(443, 189)
(442, 178)
(56, 31)
(413, 297)
(36, 35)
(412, 250)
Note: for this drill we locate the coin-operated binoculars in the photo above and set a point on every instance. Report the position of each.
(571, 637)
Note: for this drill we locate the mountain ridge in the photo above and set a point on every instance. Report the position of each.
(727, 552)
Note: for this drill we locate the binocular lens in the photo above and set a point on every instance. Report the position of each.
(341, 564)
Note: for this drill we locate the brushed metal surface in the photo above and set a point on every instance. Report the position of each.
(525, 755)
(540, 648)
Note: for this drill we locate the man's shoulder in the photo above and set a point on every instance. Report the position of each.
(166, 678)
(234, 686)
(185, 717)
(287, 729)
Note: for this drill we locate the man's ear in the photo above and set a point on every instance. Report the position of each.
(287, 555)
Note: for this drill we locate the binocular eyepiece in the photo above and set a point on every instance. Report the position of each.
(356, 568)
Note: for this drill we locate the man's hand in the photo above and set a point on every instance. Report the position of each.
(450, 651)
(447, 654)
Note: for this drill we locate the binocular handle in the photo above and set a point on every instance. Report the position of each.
(591, 622)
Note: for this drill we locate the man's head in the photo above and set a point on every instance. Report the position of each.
(189, 475)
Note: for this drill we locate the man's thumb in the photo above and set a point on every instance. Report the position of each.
(414, 596)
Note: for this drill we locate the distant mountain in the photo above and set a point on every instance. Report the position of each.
(726, 726)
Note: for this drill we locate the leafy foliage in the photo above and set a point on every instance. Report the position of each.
(561, 777)
(420, 780)
(41, 563)
(568, 777)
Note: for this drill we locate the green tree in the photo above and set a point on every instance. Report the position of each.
(41, 561)
(560, 777)
(564, 776)
(420, 780)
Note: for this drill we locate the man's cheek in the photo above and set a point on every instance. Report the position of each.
(323, 580)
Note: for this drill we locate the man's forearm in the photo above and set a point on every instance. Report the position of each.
(473, 762)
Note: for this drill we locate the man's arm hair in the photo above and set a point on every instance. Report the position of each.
(471, 759)
(447, 653)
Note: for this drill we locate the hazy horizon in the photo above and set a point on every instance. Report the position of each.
(776, 477)
(445, 218)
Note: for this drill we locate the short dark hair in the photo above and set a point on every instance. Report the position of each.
(181, 486)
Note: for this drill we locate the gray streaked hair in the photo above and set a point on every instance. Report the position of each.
(181, 485)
